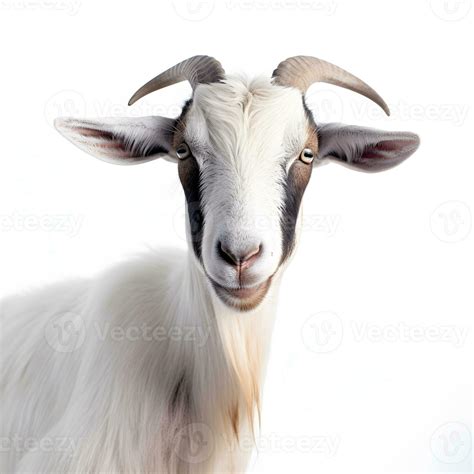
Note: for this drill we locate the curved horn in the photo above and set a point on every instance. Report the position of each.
(196, 70)
(302, 71)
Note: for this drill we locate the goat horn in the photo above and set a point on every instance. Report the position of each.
(196, 70)
(302, 71)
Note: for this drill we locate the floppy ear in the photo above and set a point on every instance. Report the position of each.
(122, 141)
(364, 149)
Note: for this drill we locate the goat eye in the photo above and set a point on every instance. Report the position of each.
(307, 156)
(183, 151)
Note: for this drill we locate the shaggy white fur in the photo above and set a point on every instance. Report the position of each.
(120, 344)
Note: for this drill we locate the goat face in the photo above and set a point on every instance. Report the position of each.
(245, 152)
(241, 164)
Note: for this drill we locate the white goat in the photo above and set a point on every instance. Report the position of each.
(156, 365)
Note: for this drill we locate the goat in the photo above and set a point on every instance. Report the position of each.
(157, 364)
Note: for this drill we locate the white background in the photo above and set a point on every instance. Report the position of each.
(371, 367)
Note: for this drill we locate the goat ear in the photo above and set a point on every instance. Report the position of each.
(364, 149)
(122, 141)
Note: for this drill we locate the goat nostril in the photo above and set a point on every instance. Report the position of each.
(244, 259)
(252, 254)
(227, 255)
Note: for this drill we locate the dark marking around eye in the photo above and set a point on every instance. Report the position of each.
(190, 177)
(294, 188)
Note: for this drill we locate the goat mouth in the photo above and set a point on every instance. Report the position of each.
(242, 298)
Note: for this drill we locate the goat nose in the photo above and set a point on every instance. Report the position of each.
(241, 259)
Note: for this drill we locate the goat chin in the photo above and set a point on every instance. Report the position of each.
(141, 369)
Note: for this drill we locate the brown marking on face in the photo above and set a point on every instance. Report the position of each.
(190, 177)
(295, 186)
(180, 125)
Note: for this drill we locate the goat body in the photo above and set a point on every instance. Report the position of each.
(156, 365)
(153, 376)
